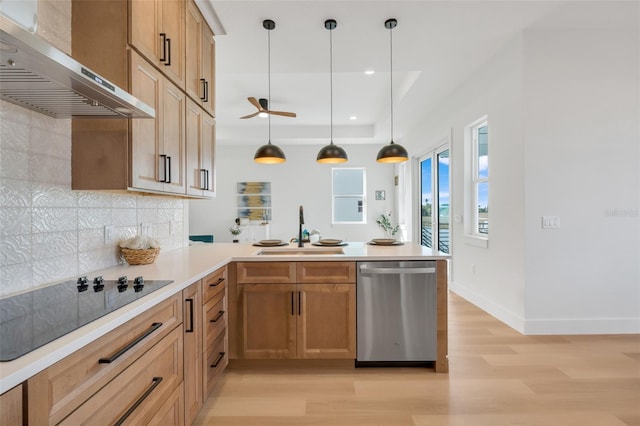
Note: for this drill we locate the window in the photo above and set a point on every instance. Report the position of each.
(477, 187)
(348, 189)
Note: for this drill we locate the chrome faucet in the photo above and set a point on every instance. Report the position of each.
(300, 243)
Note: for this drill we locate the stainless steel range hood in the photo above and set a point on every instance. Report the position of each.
(37, 76)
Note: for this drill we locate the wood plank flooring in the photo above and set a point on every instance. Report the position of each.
(497, 377)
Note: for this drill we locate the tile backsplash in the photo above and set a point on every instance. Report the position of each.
(49, 232)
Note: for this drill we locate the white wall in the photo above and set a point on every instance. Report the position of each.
(564, 140)
(582, 149)
(298, 181)
(494, 90)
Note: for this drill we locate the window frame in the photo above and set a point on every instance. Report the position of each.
(363, 196)
(472, 183)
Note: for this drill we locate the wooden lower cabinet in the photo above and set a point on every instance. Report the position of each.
(297, 320)
(137, 394)
(11, 407)
(193, 327)
(215, 341)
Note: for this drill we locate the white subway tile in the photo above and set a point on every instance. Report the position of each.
(15, 221)
(123, 217)
(93, 218)
(15, 193)
(15, 249)
(54, 219)
(87, 199)
(54, 269)
(52, 244)
(47, 195)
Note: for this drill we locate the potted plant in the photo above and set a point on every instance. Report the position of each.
(235, 231)
(384, 220)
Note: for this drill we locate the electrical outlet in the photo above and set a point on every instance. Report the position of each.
(145, 229)
(172, 227)
(108, 233)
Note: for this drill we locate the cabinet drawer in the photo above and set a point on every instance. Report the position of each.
(326, 272)
(215, 318)
(214, 283)
(61, 388)
(266, 272)
(137, 395)
(215, 360)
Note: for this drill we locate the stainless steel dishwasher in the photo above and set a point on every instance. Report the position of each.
(396, 312)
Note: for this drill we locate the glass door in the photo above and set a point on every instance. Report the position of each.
(434, 199)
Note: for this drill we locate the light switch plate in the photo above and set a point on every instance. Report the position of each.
(550, 222)
(108, 233)
(145, 229)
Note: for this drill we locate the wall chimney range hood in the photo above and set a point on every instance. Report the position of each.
(37, 76)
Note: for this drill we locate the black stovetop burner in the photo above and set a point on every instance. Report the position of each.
(30, 320)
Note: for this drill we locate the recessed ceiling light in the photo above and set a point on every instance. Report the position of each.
(353, 117)
(369, 72)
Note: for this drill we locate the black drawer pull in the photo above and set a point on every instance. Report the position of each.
(217, 282)
(217, 361)
(220, 314)
(163, 36)
(204, 89)
(154, 327)
(156, 381)
(190, 329)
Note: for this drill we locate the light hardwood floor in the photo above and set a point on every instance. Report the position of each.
(497, 377)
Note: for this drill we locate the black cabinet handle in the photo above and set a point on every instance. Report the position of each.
(169, 49)
(206, 180)
(163, 36)
(299, 304)
(217, 361)
(203, 179)
(155, 382)
(292, 311)
(154, 327)
(204, 89)
(169, 173)
(220, 314)
(190, 329)
(164, 166)
(217, 282)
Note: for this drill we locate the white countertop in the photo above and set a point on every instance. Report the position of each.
(184, 266)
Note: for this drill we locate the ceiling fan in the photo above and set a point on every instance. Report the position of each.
(263, 109)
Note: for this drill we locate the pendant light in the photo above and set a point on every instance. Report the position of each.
(392, 152)
(269, 153)
(331, 154)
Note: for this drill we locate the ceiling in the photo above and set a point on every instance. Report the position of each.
(436, 46)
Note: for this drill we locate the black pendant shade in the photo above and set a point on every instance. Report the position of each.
(392, 152)
(269, 154)
(332, 153)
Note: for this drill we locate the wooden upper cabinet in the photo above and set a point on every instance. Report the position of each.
(156, 30)
(157, 146)
(200, 138)
(200, 59)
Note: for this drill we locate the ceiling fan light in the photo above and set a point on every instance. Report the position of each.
(263, 114)
(269, 154)
(392, 153)
(332, 154)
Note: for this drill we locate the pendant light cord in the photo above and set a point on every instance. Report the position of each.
(331, 84)
(391, 76)
(269, 78)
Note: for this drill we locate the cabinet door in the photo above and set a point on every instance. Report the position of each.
(146, 85)
(193, 332)
(208, 70)
(326, 325)
(144, 28)
(11, 406)
(207, 154)
(268, 320)
(193, 41)
(195, 175)
(172, 160)
(172, 26)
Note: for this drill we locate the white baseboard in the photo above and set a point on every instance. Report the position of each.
(552, 326)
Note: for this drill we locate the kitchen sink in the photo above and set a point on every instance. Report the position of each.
(300, 251)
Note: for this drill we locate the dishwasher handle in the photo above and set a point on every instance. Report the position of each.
(396, 271)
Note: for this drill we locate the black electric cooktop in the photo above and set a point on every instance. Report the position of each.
(30, 320)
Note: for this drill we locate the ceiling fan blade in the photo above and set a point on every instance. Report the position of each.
(284, 113)
(254, 102)
(251, 115)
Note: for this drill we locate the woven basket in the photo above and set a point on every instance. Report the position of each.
(140, 256)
